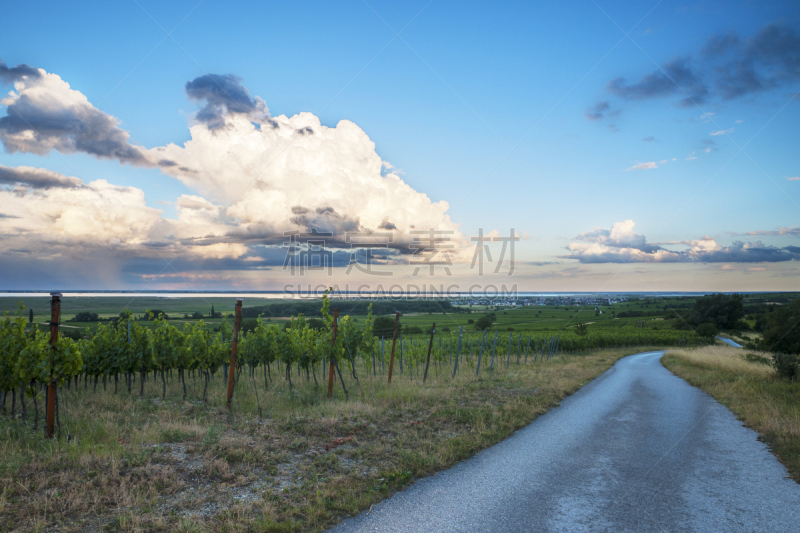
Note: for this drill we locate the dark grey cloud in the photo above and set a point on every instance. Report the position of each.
(326, 220)
(675, 77)
(633, 248)
(185, 266)
(793, 231)
(387, 225)
(721, 44)
(766, 61)
(56, 119)
(727, 67)
(11, 74)
(597, 111)
(747, 252)
(223, 95)
(313, 226)
(37, 178)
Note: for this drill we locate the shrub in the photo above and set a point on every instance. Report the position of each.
(318, 324)
(706, 329)
(483, 322)
(248, 325)
(755, 358)
(383, 326)
(781, 331)
(74, 334)
(86, 316)
(722, 310)
(412, 330)
(787, 365)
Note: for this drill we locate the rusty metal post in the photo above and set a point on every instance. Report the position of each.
(236, 323)
(394, 342)
(55, 313)
(331, 368)
(428, 360)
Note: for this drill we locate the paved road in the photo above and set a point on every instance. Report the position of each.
(638, 449)
(729, 341)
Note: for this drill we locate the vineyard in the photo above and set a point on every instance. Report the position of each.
(126, 349)
(154, 424)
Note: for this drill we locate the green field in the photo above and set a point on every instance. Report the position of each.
(145, 440)
(525, 318)
(652, 313)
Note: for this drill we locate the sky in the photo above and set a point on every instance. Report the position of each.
(572, 146)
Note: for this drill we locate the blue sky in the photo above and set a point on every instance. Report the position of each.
(508, 112)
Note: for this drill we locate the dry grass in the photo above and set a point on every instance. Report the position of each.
(752, 390)
(142, 464)
(727, 358)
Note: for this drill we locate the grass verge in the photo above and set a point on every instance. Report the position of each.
(745, 383)
(142, 464)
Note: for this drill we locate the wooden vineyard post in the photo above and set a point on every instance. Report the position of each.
(55, 312)
(480, 354)
(510, 338)
(331, 368)
(458, 351)
(527, 349)
(236, 324)
(494, 346)
(428, 360)
(394, 342)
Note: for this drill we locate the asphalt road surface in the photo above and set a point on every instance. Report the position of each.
(638, 449)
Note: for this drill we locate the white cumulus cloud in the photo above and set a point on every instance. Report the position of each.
(294, 173)
(621, 244)
(722, 132)
(253, 178)
(642, 166)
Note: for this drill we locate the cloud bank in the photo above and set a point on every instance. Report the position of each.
(43, 113)
(255, 178)
(728, 67)
(37, 178)
(621, 244)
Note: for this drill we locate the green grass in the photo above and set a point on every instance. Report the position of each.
(138, 464)
(544, 320)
